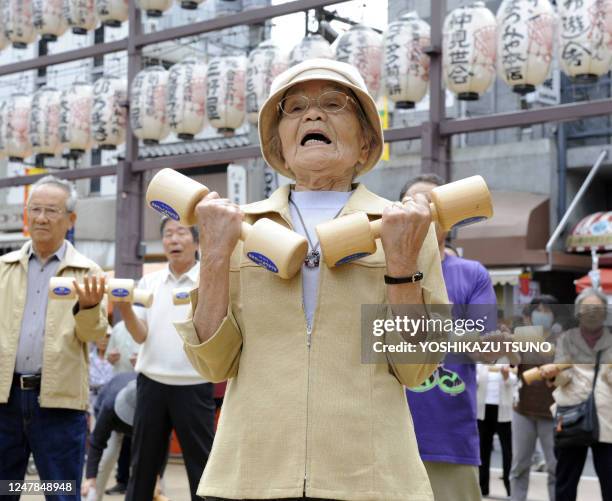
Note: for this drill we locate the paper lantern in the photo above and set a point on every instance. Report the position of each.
(583, 51)
(44, 122)
(406, 65)
(154, 8)
(311, 46)
(186, 99)
(108, 112)
(264, 64)
(48, 19)
(80, 15)
(606, 9)
(190, 4)
(17, 140)
(225, 92)
(148, 105)
(525, 33)
(363, 48)
(112, 12)
(75, 118)
(468, 51)
(18, 22)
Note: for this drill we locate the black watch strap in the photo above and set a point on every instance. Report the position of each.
(404, 280)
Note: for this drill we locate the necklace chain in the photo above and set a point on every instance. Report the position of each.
(313, 257)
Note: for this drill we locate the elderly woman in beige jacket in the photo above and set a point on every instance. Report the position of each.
(579, 346)
(303, 417)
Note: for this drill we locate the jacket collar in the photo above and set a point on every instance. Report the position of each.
(72, 258)
(362, 200)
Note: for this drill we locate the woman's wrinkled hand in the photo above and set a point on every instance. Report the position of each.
(403, 231)
(219, 222)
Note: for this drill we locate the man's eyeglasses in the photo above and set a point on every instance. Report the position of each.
(296, 105)
(51, 212)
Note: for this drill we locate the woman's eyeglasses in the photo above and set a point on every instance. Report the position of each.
(296, 105)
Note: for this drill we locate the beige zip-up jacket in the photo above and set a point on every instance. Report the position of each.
(574, 385)
(65, 368)
(302, 414)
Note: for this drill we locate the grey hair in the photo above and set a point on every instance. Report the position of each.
(67, 186)
(588, 292)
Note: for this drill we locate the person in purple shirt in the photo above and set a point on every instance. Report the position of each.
(444, 407)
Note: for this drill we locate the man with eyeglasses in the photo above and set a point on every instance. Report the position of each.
(170, 393)
(43, 344)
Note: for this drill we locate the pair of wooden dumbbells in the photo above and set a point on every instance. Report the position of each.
(283, 251)
(117, 289)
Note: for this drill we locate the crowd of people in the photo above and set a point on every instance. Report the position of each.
(303, 416)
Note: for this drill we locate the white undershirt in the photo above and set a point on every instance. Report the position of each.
(315, 207)
(493, 385)
(161, 356)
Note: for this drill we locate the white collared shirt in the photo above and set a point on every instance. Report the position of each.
(161, 356)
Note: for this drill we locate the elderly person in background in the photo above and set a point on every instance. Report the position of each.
(531, 418)
(580, 346)
(303, 417)
(43, 344)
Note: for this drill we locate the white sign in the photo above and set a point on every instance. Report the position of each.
(550, 91)
(15, 195)
(237, 184)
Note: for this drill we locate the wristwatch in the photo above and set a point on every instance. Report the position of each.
(404, 280)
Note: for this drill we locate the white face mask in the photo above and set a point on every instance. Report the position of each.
(542, 318)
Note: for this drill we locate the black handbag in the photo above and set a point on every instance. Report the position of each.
(577, 425)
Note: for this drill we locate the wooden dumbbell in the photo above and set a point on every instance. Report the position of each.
(117, 289)
(120, 290)
(143, 298)
(123, 290)
(495, 368)
(352, 237)
(269, 244)
(534, 374)
(62, 288)
(181, 296)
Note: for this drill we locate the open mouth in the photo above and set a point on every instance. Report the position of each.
(314, 138)
(176, 251)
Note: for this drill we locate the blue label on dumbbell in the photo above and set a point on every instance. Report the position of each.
(182, 295)
(119, 292)
(352, 257)
(262, 260)
(165, 209)
(61, 291)
(469, 220)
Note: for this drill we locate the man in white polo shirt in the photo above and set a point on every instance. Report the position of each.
(170, 393)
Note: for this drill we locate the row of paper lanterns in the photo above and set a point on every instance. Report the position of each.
(75, 119)
(518, 45)
(232, 88)
(22, 20)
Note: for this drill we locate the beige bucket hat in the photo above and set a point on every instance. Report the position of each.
(316, 69)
